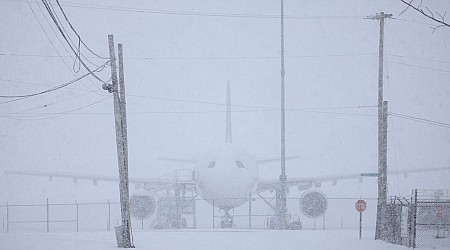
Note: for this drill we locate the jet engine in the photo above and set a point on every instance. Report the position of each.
(313, 204)
(142, 206)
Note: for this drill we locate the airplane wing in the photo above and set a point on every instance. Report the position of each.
(156, 184)
(307, 183)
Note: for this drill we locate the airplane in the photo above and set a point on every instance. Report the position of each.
(224, 177)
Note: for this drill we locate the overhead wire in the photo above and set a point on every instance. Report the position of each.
(50, 40)
(58, 25)
(202, 14)
(49, 104)
(79, 37)
(56, 87)
(54, 115)
(392, 122)
(418, 58)
(203, 58)
(78, 46)
(422, 120)
(411, 21)
(204, 112)
(422, 67)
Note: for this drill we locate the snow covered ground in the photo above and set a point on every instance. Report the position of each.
(201, 239)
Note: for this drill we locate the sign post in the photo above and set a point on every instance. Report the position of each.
(360, 206)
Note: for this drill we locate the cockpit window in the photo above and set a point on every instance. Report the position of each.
(212, 164)
(239, 164)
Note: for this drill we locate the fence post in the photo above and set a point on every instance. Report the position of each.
(48, 222)
(108, 225)
(250, 212)
(415, 219)
(7, 217)
(77, 214)
(213, 215)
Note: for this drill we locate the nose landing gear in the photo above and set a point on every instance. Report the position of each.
(227, 221)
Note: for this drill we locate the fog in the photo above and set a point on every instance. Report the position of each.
(179, 56)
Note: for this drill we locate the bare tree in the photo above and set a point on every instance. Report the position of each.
(435, 16)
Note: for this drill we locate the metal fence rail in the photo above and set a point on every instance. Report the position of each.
(103, 216)
(421, 220)
(56, 216)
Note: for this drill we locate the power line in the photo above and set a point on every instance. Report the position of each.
(41, 84)
(56, 87)
(49, 104)
(203, 58)
(418, 58)
(411, 21)
(392, 122)
(55, 115)
(201, 14)
(197, 112)
(58, 25)
(48, 37)
(80, 41)
(79, 37)
(236, 57)
(241, 106)
(421, 67)
(418, 119)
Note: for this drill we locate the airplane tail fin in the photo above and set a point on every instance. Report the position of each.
(228, 137)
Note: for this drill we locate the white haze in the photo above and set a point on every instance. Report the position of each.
(330, 64)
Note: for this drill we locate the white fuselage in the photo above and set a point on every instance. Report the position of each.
(226, 177)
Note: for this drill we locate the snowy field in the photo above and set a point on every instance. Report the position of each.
(201, 239)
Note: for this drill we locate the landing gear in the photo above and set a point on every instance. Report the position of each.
(227, 221)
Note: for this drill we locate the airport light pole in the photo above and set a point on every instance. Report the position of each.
(281, 209)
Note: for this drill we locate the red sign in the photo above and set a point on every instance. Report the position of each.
(439, 211)
(360, 206)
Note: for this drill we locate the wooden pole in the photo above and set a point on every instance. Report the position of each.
(121, 153)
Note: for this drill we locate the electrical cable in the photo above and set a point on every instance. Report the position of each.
(55, 115)
(392, 122)
(48, 37)
(49, 104)
(203, 14)
(66, 39)
(79, 37)
(422, 67)
(201, 112)
(56, 87)
(418, 119)
(78, 45)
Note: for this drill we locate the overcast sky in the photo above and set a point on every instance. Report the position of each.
(179, 56)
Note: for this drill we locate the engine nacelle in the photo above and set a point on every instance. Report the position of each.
(142, 206)
(313, 204)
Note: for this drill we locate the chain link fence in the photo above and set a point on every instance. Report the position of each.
(60, 217)
(421, 220)
(254, 214)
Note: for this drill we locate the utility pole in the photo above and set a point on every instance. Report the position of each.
(281, 208)
(382, 139)
(121, 141)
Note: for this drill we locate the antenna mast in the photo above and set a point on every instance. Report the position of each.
(281, 209)
(228, 125)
